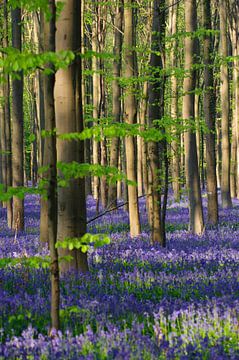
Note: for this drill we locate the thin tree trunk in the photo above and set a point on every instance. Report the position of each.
(156, 105)
(96, 104)
(196, 222)
(225, 109)
(116, 97)
(143, 114)
(174, 105)
(209, 103)
(17, 127)
(51, 156)
(3, 145)
(130, 112)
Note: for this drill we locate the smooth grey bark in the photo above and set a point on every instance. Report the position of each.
(116, 96)
(155, 112)
(17, 126)
(69, 118)
(225, 109)
(173, 13)
(209, 104)
(130, 112)
(51, 157)
(196, 222)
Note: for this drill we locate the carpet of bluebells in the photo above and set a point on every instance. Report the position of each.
(138, 302)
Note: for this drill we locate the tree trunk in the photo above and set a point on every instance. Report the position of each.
(17, 127)
(116, 97)
(68, 110)
(96, 104)
(51, 158)
(156, 105)
(3, 145)
(209, 103)
(234, 23)
(7, 119)
(196, 223)
(143, 114)
(225, 109)
(174, 105)
(130, 112)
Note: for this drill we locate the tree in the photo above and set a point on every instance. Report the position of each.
(68, 111)
(225, 108)
(51, 156)
(173, 13)
(116, 96)
(156, 111)
(209, 113)
(17, 126)
(130, 112)
(196, 222)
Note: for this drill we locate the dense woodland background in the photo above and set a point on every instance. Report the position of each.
(119, 100)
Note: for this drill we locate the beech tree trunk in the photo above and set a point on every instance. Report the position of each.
(174, 105)
(116, 97)
(96, 103)
(196, 222)
(156, 104)
(225, 109)
(68, 110)
(51, 158)
(209, 103)
(17, 126)
(130, 113)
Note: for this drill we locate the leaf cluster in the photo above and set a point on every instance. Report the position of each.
(84, 243)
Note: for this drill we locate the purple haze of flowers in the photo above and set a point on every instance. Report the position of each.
(138, 302)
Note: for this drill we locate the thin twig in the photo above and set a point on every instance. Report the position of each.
(115, 208)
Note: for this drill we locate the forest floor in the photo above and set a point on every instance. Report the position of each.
(138, 302)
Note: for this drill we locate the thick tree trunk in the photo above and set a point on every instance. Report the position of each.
(225, 109)
(17, 127)
(130, 112)
(196, 222)
(209, 103)
(68, 110)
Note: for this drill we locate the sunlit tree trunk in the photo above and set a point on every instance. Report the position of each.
(234, 23)
(143, 114)
(209, 103)
(116, 96)
(130, 112)
(225, 109)
(196, 222)
(96, 101)
(17, 126)
(174, 104)
(68, 110)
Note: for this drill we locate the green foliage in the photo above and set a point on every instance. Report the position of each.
(75, 170)
(26, 61)
(34, 262)
(36, 5)
(19, 192)
(83, 243)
